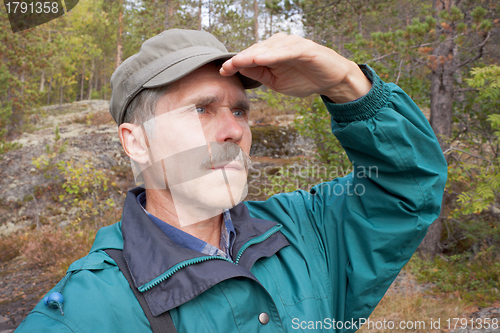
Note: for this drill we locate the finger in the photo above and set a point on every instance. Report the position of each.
(290, 49)
(269, 59)
(246, 57)
(231, 66)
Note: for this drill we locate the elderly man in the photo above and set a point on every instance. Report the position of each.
(197, 258)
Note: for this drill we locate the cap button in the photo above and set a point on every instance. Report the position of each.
(264, 318)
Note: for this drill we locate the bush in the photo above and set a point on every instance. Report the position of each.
(10, 246)
(86, 188)
(331, 161)
(56, 248)
(474, 171)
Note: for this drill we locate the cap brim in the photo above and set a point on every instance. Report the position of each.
(186, 66)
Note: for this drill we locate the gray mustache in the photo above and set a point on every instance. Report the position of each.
(224, 153)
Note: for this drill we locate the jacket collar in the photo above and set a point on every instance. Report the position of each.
(150, 253)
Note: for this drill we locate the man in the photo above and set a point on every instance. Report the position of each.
(298, 261)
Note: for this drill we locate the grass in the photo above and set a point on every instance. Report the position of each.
(52, 248)
(462, 285)
(474, 279)
(413, 312)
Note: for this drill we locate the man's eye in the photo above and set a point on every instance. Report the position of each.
(201, 109)
(239, 113)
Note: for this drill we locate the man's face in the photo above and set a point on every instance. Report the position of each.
(199, 137)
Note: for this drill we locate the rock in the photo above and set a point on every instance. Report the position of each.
(279, 142)
(64, 223)
(490, 312)
(10, 227)
(285, 120)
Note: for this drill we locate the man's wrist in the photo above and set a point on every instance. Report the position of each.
(354, 86)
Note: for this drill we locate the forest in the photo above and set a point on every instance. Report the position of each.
(445, 54)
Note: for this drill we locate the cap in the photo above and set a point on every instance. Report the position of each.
(163, 59)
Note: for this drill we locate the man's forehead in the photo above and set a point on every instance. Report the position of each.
(205, 86)
(210, 72)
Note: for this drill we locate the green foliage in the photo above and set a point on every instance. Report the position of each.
(474, 171)
(487, 79)
(85, 188)
(8, 146)
(313, 121)
(478, 14)
(476, 279)
(20, 55)
(47, 163)
(276, 100)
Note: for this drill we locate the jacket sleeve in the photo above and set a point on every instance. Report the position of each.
(389, 200)
(366, 226)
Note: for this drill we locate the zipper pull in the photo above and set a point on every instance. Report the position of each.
(55, 299)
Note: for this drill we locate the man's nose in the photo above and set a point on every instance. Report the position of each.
(229, 128)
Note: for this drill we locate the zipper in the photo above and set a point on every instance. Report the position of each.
(256, 240)
(176, 268)
(179, 266)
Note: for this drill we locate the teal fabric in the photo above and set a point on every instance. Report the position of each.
(345, 248)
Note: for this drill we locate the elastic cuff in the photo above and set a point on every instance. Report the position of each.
(365, 107)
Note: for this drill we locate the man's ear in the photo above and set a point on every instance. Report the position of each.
(134, 143)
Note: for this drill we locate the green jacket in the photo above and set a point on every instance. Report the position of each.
(317, 259)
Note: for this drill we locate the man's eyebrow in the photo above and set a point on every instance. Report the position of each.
(242, 104)
(207, 100)
(204, 100)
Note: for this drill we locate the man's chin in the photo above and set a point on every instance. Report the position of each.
(197, 208)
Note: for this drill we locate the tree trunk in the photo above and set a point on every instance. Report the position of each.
(442, 64)
(91, 77)
(119, 46)
(360, 23)
(271, 24)
(167, 14)
(61, 89)
(104, 83)
(256, 20)
(50, 90)
(210, 15)
(442, 83)
(42, 81)
(82, 83)
(200, 5)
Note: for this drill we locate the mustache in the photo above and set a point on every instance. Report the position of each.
(224, 153)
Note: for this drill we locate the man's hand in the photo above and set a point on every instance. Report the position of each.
(299, 67)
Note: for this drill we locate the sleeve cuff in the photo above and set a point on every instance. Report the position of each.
(365, 107)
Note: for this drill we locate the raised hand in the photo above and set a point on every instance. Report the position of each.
(299, 67)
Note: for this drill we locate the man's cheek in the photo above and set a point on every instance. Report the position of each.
(175, 132)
